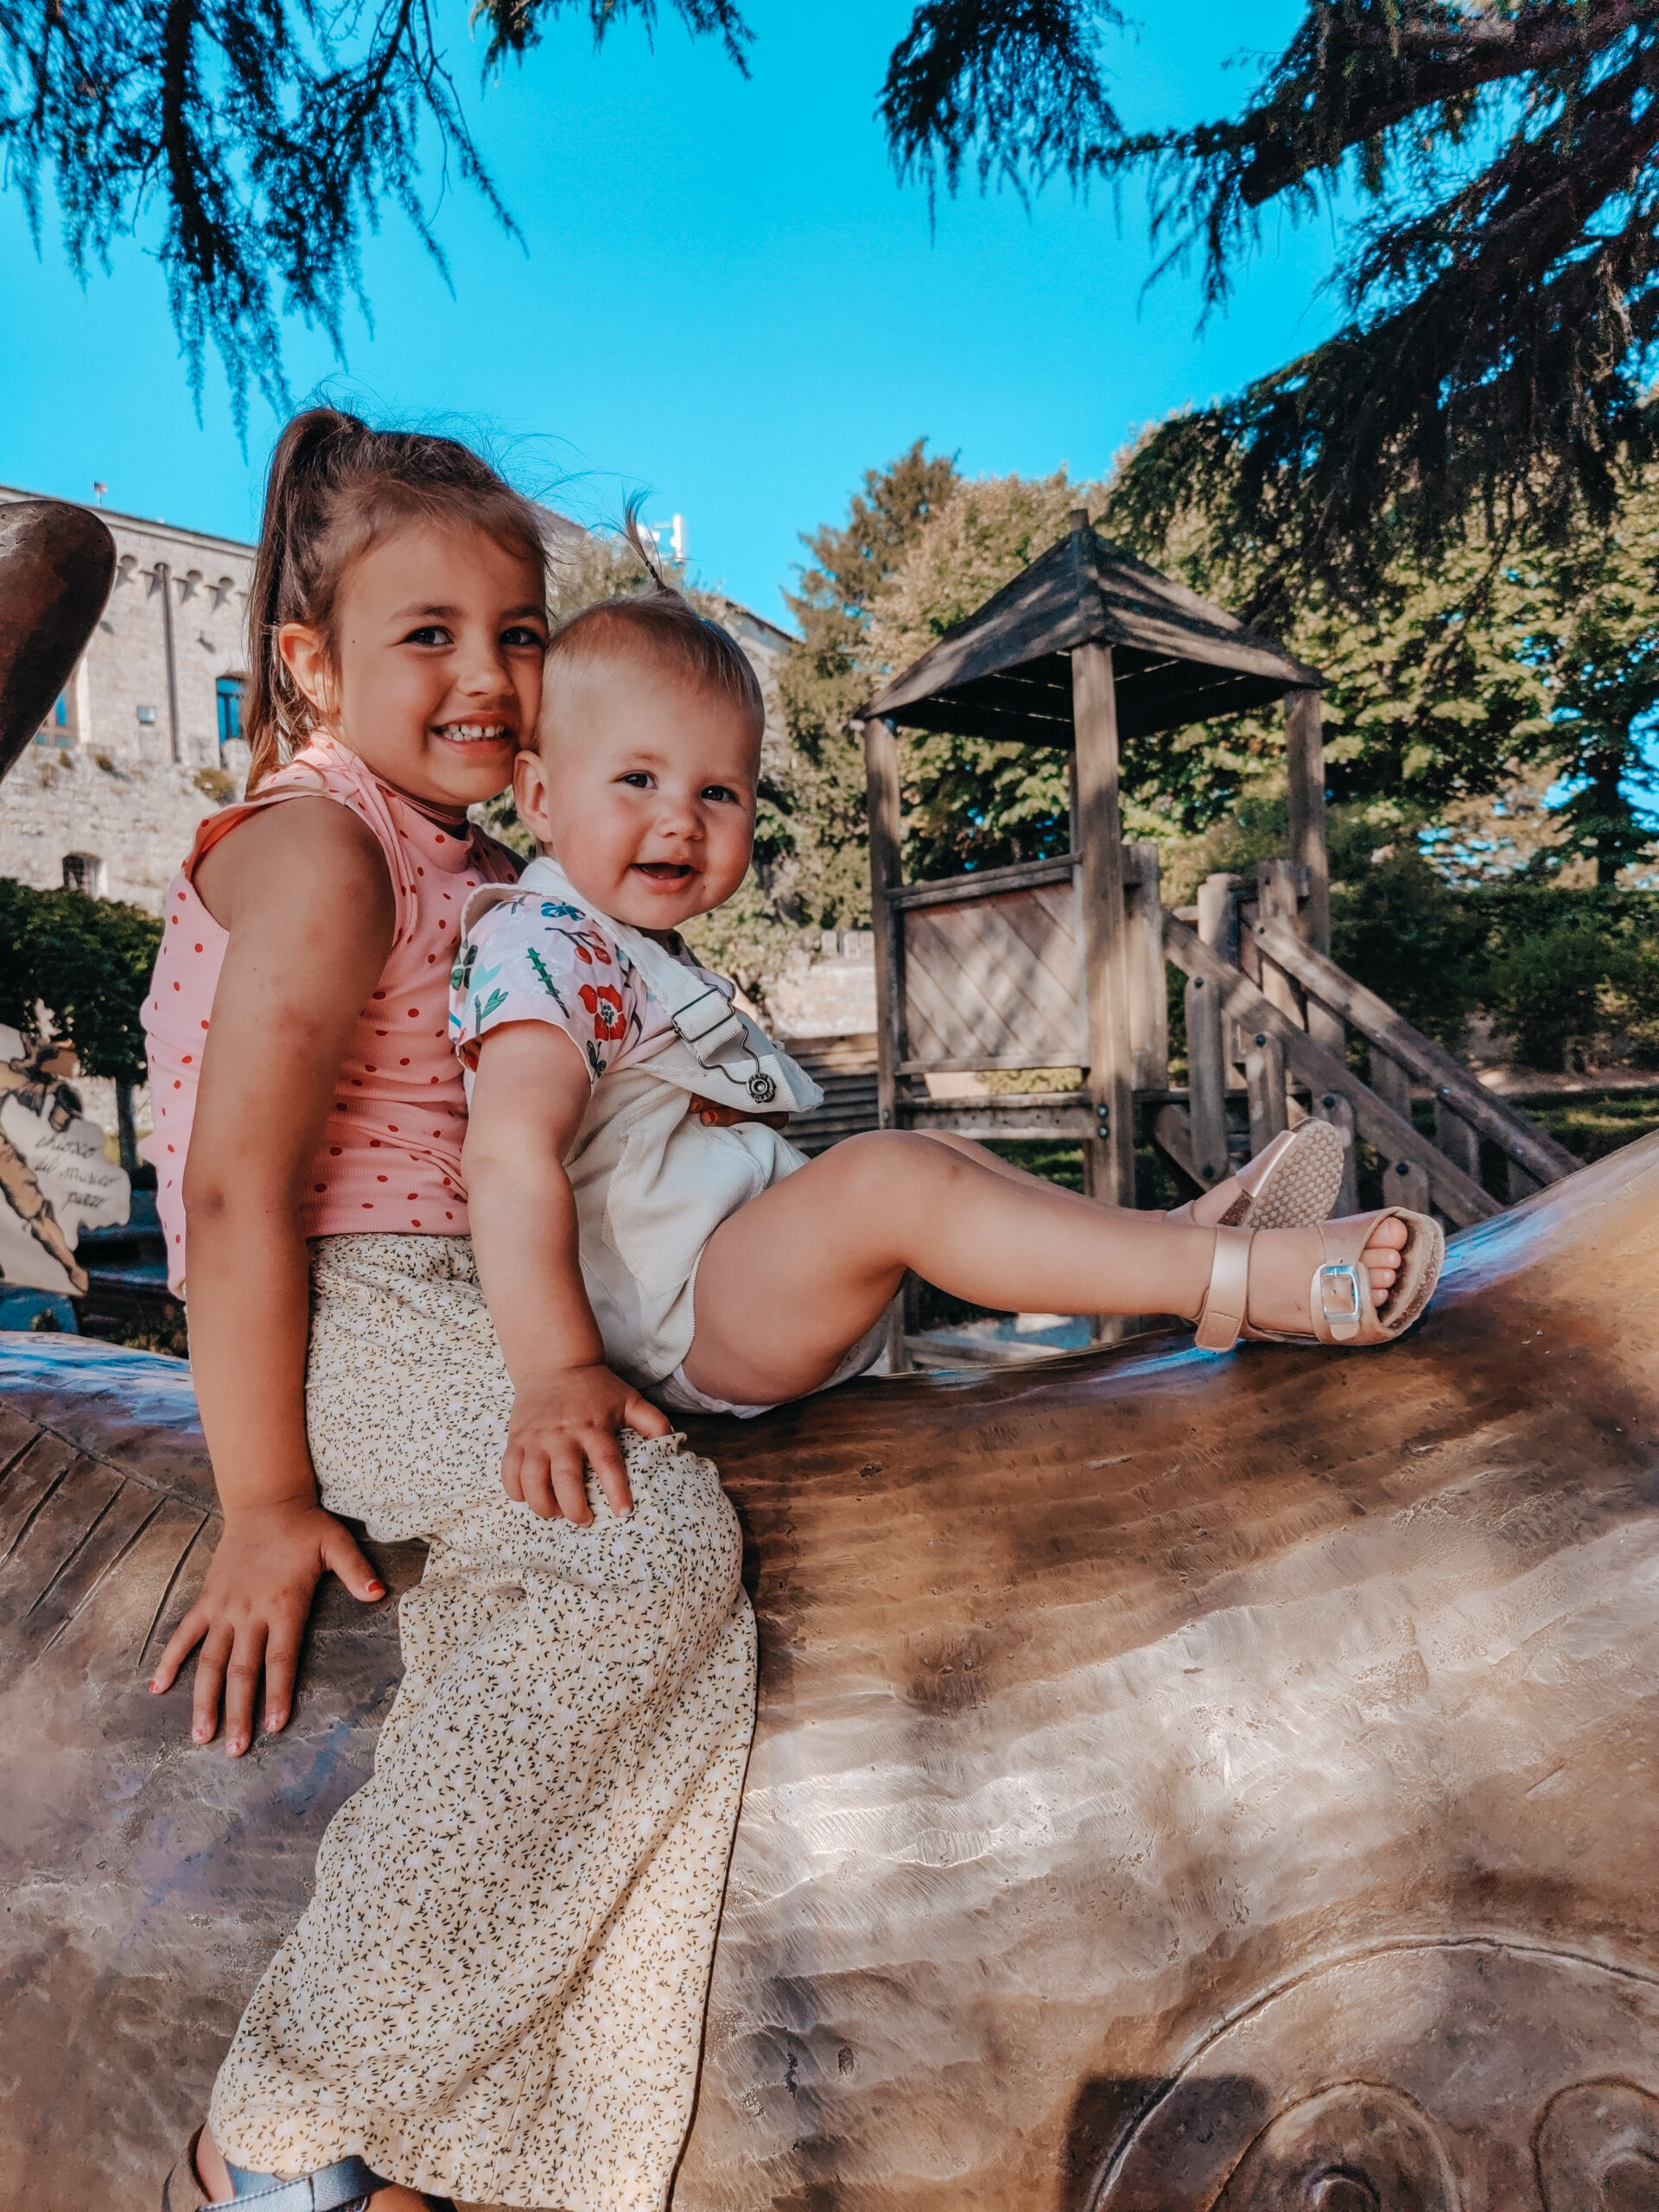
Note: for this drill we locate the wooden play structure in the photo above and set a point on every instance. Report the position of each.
(1061, 963)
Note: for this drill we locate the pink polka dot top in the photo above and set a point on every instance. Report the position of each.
(391, 1154)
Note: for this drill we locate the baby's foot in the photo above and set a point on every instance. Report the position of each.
(1283, 1261)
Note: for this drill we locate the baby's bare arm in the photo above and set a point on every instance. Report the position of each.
(528, 1100)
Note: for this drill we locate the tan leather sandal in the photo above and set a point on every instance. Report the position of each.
(1339, 1305)
(1291, 1183)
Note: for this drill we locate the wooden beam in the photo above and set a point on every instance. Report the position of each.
(1105, 951)
(948, 891)
(1428, 1062)
(1305, 786)
(886, 875)
(1459, 1198)
(1148, 977)
(1264, 1086)
(1207, 1080)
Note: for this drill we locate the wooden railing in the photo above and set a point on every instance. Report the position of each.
(1288, 1021)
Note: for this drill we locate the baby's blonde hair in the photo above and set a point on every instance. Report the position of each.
(656, 625)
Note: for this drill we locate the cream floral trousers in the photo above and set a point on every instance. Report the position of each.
(497, 1990)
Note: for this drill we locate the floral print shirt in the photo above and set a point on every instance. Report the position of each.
(536, 959)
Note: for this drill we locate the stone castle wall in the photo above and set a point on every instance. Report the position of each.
(130, 758)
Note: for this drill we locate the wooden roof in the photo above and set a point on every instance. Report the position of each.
(1007, 672)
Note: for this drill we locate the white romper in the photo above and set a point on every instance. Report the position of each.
(652, 1180)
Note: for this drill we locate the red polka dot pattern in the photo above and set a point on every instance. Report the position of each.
(427, 1167)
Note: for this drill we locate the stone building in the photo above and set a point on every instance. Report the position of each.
(146, 736)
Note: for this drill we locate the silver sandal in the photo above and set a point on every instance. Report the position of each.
(346, 2186)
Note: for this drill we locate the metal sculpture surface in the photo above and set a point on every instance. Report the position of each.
(1180, 1783)
(56, 565)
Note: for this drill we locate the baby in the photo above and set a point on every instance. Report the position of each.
(646, 1236)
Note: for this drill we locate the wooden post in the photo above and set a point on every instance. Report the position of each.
(1335, 1110)
(1264, 1085)
(1404, 1182)
(1218, 916)
(1108, 1156)
(886, 873)
(1276, 898)
(1149, 985)
(1456, 1139)
(1206, 1081)
(1304, 786)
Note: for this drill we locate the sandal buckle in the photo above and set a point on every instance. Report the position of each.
(1341, 1301)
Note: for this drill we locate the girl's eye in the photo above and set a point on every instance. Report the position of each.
(430, 633)
(723, 792)
(637, 779)
(521, 635)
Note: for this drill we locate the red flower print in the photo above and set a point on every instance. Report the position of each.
(605, 1004)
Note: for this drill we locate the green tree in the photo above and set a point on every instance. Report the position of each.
(80, 968)
(87, 961)
(1493, 169)
(828, 676)
(972, 802)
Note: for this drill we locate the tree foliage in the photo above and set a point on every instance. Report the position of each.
(827, 678)
(1502, 276)
(1491, 165)
(261, 138)
(87, 961)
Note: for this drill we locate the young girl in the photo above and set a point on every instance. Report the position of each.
(640, 1224)
(496, 1991)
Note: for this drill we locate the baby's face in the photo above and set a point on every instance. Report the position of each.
(642, 788)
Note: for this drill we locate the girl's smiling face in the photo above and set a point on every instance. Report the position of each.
(643, 790)
(435, 676)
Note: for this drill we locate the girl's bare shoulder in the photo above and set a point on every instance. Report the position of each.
(307, 852)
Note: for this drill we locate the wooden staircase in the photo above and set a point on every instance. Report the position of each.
(1263, 1006)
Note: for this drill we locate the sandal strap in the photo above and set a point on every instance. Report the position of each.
(1227, 1302)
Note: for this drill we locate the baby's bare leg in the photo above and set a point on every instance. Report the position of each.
(791, 1280)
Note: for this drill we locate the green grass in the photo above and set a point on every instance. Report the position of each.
(1590, 1124)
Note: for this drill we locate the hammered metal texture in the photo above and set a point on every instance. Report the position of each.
(1181, 1784)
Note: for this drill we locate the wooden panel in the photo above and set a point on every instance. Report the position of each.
(993, 979)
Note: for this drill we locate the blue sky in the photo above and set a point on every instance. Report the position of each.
(728, 300)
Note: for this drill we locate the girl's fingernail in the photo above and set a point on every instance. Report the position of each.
(236, 1747)
(376, 1589)
(200, 1734)
(272, 1720)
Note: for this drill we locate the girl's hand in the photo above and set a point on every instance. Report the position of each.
(251, 1614)
(565, 1422)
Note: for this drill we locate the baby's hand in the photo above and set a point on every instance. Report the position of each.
(563, 1422)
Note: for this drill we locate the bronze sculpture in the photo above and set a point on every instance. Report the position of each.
(1180, 1783)
(1175, 1776)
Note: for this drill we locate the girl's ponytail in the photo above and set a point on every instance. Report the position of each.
(334, 489)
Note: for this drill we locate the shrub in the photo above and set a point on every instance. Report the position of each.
(1546, 989)
(1400, 930)
(88, 961)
